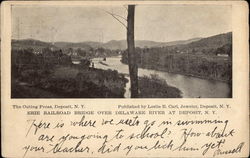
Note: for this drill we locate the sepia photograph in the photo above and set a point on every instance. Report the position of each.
(107, 78)
(121, 51)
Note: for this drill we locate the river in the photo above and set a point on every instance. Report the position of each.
(191, 87)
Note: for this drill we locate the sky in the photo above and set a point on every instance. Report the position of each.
(162, 23)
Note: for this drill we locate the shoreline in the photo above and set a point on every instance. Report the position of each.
(189, 75)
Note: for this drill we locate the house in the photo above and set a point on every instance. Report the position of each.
(37, 50)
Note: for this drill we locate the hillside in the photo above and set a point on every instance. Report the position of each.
(210, 45)
(82, 45)
(209, 58)
(212, 42)
(113, 44)
(195, 43)
(28, 43)
(122, 44)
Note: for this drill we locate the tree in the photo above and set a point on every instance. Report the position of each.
(132, 62)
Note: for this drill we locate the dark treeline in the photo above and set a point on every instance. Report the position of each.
(209, 59)
(155, 87)
(50, 73)
(81, 49)
(26, 64)
(95, 52)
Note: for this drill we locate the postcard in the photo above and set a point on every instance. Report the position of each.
(124, 79)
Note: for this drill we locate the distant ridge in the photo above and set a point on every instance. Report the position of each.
(219, 39)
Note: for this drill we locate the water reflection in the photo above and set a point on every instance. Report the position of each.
(191, 87)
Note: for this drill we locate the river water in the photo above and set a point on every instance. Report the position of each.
(191, 87)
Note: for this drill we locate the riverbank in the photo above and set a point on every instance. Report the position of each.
(155, 87)
(185, 74)
(181, 73)
(70, 82)
(191, 87)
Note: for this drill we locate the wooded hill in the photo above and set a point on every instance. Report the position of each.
(209, 45)
(112, 45)
(208, 58)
